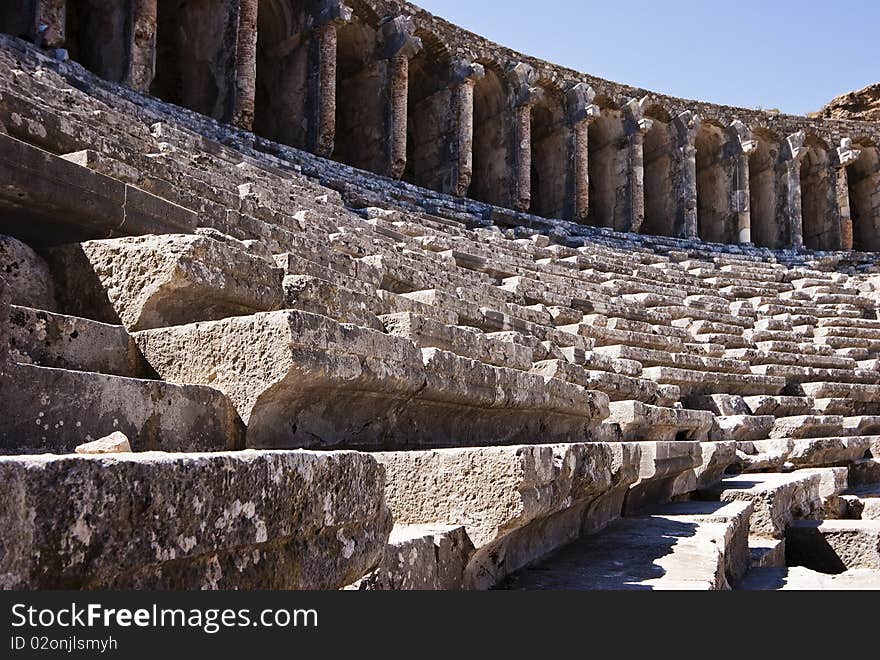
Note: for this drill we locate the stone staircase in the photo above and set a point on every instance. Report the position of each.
(324, 392)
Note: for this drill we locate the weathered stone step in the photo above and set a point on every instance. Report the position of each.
(778, 499)
(47, 339)
(516, 504)
(834, 546)
(645, 423)
(693, 546)
(312, 294)
(159, 281)
(798, 578)
(652, 358)
(766, 553)
(757, 357)
(761, 455)
(280, 368)
(862, 503)
(55, 410)
(243, 520)
(695, 383)
(617, 387)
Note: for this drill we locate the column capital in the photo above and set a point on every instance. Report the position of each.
(846, 155)
(465, 72)
(331, 13)
(744, 137)
(794, 146)
(579, 100)
(521, 77)
(398, 38)
(687, 125)
(636, 110)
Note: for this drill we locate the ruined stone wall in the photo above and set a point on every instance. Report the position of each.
(384, 86)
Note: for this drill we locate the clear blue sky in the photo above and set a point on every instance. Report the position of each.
(794, 55)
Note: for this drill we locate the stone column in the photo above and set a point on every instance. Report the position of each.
(794, 152)
(331, 17)
(744, 147)
(246, 65)
(637, 127)
(399, 44)
(522, 198)
(846, 156)
(50, 20)
(398, 97)
(581, 113)
(325, 135)
(523, 97)
(465, 77)
(142, 49)
(687, 124)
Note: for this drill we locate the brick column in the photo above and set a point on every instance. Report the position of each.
(846, 156)
(794, 152)
(49, 23)
(687, 124)
(246, 65)
(142, 48)
(465, 77)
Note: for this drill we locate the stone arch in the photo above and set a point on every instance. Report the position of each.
(492, 142)
(195, 66)
(766, 195)
(17, 18)
(608, 167)
(864, 195)
(715, 185)
(550, 154)
(820, 217)
(660, 160)
(429, 116)
(360, 95)
(97, 36)
(285, 94)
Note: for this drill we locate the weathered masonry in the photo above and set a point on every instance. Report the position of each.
(384, 86)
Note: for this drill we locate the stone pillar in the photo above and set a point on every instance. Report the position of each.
(794, 152)
(687, 125)
(142, 49)
(465, 77)
(246, 65)
(581, 113)
(330, 18)
(637, 127)
(50, 20)
(523, 97)
(399, 93)
(744, 147)
(399, 45)
(522, 199)
(325, 138)
(846, 156)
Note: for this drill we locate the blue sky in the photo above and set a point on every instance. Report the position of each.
(795, 55)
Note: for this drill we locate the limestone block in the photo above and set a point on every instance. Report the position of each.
(302, 380)
(779, 499)
(115, 443)
(705, 383)
(27, 275)
(421, 558)
(158, 281)
(426, 333)
(666, 470)
(516, 503)
(312, 294)
(47, 339)
(54, 410)
(617, 386)
(51, 201)
(640, 422)
(243, 520)
(742, 427)
(717, 458)
(807, 426)
(834, 546)
(798, 578)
